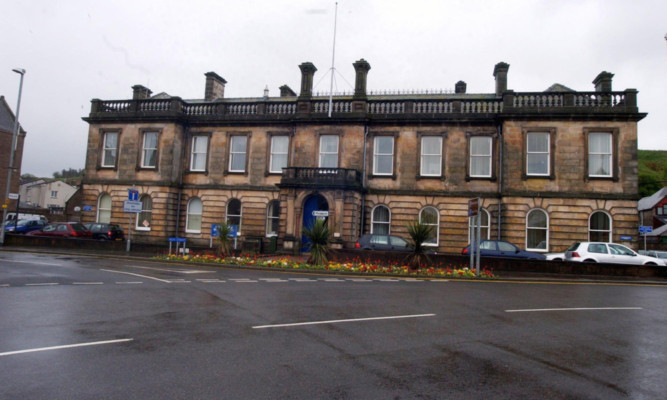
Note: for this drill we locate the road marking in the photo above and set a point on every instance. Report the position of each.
(42, 284)
(302, 280)
(272, 280)
(33, 262)
(67, 346)
(575, 309)
(387, 280)
(140, 276)
(180, 271)
(332, 280)
(336, 321)
(210, 280)
(359, 279)
(243, 280)
(5, 285)
(128, 283)
(87, 283)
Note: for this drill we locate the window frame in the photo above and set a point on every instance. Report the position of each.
(272, 218)
(551, 159)
(614, 155)
(492, 137)
(271, 152)
(320, 153)
(239, 215)
(375, 155)
(482, 211)
(374, 221)
(103, 149)
(99, 207)
(189, 214)
(533, 228)
(231, 139)
(442, 136)
(148, 211)
(609, 232)
(437, 226)
(193, 138)
(142, 150)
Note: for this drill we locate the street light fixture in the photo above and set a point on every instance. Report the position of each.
(21, 72)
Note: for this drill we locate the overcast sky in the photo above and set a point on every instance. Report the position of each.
(75, 51)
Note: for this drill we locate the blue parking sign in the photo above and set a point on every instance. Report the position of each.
(215, 230)
(133, 194)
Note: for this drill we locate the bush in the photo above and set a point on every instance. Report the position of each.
(318, 235)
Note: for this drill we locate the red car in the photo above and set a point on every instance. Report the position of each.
(63, 229)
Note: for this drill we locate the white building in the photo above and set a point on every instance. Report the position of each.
(46, 194)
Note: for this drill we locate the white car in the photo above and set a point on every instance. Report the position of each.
(555, 256)
(611, 253)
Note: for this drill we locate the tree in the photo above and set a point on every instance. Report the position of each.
(318, 235)
(224, 244)
(419, 233)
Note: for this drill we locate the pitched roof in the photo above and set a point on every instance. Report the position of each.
(649, 202)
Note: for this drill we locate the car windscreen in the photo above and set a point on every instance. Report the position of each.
(78, 228)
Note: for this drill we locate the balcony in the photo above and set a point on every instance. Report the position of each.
(321, 178)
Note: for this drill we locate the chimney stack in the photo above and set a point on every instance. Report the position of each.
(286, 91)
(460, 87)
(307, 73)
(140, 92)
(602, 82)
(500, 73)
(361, 68)
(215, 86)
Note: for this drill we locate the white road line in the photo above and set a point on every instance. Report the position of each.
(68, 346)
(359, 280)
(210, 280)
(386, 280)
(273, 280)
(140, 276)
(87, 283)
(335, 321)
(302, 280)
(244, 280)
(5, 285)
(332, 280)
(575, 309)
(42, 284)
(33, 262)
(180, 271)
(129, 283)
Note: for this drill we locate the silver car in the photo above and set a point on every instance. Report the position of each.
(611, 253)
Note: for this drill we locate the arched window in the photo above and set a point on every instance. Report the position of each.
(485, 226)
(104, 209)
(430, 216)
(144, 217)
(599, 227)
(193, 221)
(537, 230)
(272, 218)
(380, 220)
(234, 213)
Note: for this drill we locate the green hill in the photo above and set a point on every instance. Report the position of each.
(652, 171)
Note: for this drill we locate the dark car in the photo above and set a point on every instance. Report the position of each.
(105, 231)
(63, 229)
(24, 225)
(501, 248)
(378, 242)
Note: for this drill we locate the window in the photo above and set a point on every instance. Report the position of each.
(599, 227)
(144, 217)
(110, 150)
(328, 151)
(272, 218)
(380, 220)
(54, 194)
(431, 157)
(600, 154)
(104, 209)
(484, 227)
(279, 149)
(198, 153)
(430, 216)
(194, 214)
(383, 155)
(537, 154)
(234, 213)
(480, 156)
(537, 230)
(237, 153)
(149, 150)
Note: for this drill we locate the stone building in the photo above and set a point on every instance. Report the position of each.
(549, 167)
(7, 119)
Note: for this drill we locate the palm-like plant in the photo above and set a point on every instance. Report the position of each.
(224, 243)
(318, 235)
(419, 233)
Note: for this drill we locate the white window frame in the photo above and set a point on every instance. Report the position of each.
(426, 154)
(545, 154)
(54, 194)
(195, 155)
(145, 149)
(191, 213)
(609, 232)
(271, 218)
(106, 149)
(486, 226)
(374, 221)
(239, 215)
(377, 155)
(488, 155)
(610, 154)
(328, 153)
(274, 153)
(144, 211)
(436, 224)
(233, 154)
(101, 209)
(545, 229)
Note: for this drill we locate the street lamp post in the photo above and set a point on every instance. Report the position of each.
(21, 72)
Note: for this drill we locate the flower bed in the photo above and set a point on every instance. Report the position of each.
(356, 266)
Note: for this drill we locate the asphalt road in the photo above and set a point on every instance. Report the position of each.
(75, 327)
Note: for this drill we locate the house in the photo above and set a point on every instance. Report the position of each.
(549, 168)
(7, 120)
(45, 193)
(653, 213)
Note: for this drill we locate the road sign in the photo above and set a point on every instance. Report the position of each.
(132, 194)
(87, 208)
(320, 213)
(215, 230)
(176, 239)
(233, 231)
(473, 207)
(13, 196)
(645, 229)
(130, 206)
(626, 237)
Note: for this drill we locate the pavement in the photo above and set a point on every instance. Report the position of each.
(521, 276)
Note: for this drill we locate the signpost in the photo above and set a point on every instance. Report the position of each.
(233, 233)
(176, 240)
(643, 230)
(133, 206)
(475, 237)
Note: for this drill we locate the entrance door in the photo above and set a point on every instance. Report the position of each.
(313, 203)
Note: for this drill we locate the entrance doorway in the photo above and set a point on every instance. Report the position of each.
(314, 202)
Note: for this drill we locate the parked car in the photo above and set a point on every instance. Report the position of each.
(382, 243)
(63, 229)
(654, 253)
(608, 253)
(24, 225)
(555, 256)
(105, 231)
(501, 248)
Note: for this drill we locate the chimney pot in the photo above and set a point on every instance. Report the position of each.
(460, 87)
(140, 92)
(602, 82)
(286, 91)
(500, 73)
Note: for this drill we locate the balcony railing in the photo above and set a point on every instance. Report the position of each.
(321, 178)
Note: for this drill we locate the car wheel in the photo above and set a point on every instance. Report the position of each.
(556, 259)
(589, 260)
(650, 263)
